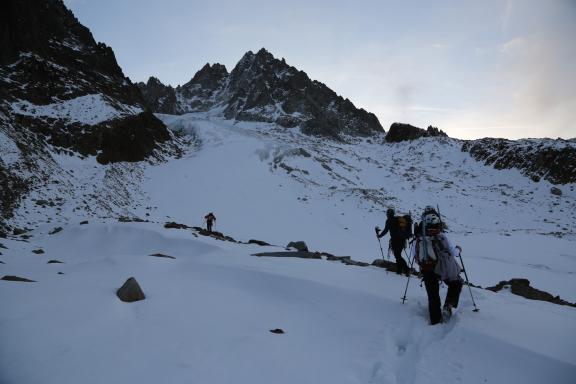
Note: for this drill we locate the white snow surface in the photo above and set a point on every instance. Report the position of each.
(87, 109)
(208, 312)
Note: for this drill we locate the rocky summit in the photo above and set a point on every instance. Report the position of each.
(264, 89)
(405, 132)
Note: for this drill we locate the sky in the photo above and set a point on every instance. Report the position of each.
(490, 68)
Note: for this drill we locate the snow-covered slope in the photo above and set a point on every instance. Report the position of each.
(264, 181)
(208, 312)
(84, 214)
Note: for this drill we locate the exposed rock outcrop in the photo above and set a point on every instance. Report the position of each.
(158, 97)
(17, 278)
(552, 160)
(161, 255)
(299, 245)
(404, 132)
(61, 91)
(521, 287)
(298, 254)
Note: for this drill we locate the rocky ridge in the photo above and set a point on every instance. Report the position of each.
(61, 92)
(538, 159)
(264, 89)
(548, 159)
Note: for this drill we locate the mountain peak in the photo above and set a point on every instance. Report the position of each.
(264, 55)
(209, 73)
(154, 81)
(266, 89)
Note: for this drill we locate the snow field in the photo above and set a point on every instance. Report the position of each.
(232, 174)
(208, 313)
(87, 109)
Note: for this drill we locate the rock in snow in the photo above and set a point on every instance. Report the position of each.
(299, 245)
(556, 191)
(130, 291)
(17, 278)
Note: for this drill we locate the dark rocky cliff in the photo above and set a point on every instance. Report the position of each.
(48, 58)
(548, 159)
(60, 90)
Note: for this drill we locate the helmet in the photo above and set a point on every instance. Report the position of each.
(432, 220)
(390, 212)
(429, 209)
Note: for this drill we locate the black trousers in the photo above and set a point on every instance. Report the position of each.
(397, 247)
(432, 283)
(209, 226)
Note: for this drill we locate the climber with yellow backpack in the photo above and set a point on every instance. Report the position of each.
(400, 228)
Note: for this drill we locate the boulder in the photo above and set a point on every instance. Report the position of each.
(299, 245)
(18, 231)
(258, 242)
(55, 231)
(556, 191)
(38, 251)
(162, 255)
(130, 291)
(521, 287)
(174, 225)
(17, 278)
(300, 255)
(125, 219)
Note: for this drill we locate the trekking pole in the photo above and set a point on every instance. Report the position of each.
(407, 256)
(408, 279)
(381, 251)
(467, 281)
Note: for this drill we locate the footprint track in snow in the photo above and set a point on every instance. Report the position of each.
(405, 348)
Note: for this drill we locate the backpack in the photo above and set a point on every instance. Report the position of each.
(402, 227)
(429, 245)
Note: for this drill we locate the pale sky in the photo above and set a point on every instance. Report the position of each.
(473, 68)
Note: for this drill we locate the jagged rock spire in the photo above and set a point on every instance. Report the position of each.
(263, 88)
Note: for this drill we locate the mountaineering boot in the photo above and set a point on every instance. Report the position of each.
(447, 312)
